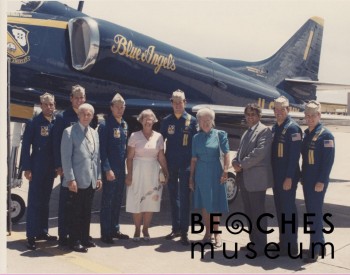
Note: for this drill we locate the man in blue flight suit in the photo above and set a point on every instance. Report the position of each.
(113, 141)
(38, 167)
(178, 129)
(318, 151)
(286, 148)
(63, 121)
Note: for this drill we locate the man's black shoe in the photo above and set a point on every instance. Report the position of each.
(46, 237)
(173, 235)
(185, 240)
(77, 247)
(89, 244)
(313, 258)
(63, 241)
(31, 243)
(310, 259)
(107, 240)
(119, 235)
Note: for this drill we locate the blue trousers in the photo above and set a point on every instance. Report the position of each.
(179, 195)
(112, 198)
(314, 204)
(39, 194)
(285, 205)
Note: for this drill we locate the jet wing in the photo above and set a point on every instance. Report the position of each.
(320, 85)
(268, 114)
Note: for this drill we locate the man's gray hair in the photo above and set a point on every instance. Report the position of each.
(147, 112)
(86, 106)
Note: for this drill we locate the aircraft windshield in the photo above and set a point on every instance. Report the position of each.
(84, 42)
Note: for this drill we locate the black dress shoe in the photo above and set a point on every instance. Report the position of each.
(173, 235)
(63, 241)
(119, 235)
(31, 243)
(184, 240)
(89, 244)
(77, 247)
(46, 237)
(107, 240)
(310, 259)
(312, 256)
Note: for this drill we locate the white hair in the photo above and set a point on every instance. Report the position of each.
(86, 106)
(206, 112)
(147, 112)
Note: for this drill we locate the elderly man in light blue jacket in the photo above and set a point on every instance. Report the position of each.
(80, 154)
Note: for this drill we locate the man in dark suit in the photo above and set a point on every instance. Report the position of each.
(254, 175)
(81, 165)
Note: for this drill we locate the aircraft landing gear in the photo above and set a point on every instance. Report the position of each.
(231, 187)
(17, 208)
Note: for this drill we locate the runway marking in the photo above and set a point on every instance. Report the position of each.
(73, 257)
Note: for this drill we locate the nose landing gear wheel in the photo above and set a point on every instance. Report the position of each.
(17, 208)
(231, 187)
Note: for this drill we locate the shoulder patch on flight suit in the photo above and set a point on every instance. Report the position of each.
(296, 137)
(328, 143)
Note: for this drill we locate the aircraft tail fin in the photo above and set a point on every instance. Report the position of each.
(298, 59)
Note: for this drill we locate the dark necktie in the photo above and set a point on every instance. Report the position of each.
(244, 144)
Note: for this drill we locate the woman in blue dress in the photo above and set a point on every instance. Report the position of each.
(208, 175)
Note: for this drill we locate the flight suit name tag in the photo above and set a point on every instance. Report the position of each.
(171, 129)
(116, 132)
(44, 131)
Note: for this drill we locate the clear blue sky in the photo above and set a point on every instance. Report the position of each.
(235, 29)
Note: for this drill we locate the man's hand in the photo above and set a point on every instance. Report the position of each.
(98, 185)
(110, 175)
(28, 175)
(73, 186)
(59, 172)
(287, 184)
(236, 166)
(319, 186)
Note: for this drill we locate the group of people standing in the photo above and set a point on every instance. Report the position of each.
(183, 156)
(270, 158)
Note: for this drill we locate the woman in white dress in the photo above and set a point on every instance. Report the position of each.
(144, 186)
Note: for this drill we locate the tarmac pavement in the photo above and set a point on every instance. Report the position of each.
(162, 256)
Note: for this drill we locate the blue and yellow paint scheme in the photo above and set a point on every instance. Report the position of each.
(52, 47)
